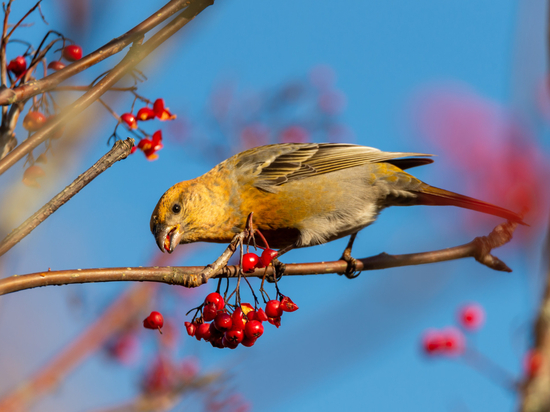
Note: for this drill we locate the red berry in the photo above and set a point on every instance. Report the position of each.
(267, 256)
(251, 315)
(273, 309)
(432, 341)
(453, 341)
(214, 332)
(275, 321)
(228, 343)
(532, 362)
(72, 52)
(33, 121)
(237, 319)
(161, 112)
(215, 299)
(223, 322)
(217, 342)
(253, 329)
(261, 316)
(153, 321)
(130, 120)
(203, 332)
(235, 336)
(288, 305)
(145, 113)
(471, 316)
(250, 261)
(209, 312)
(17, 66)
(191, 328)
(56, 65)
(248, 342)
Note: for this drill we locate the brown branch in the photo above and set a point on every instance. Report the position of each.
(193, 276)
(26, 91)
(536, 387)
(86, 88)
(136, 54)
(112, 321)
(120, 150)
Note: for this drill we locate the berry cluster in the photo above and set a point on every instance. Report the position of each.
(230, 326)
(149, 146)
(451, 340)
(252, 261)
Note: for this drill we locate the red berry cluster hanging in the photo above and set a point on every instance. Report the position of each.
(232, 326)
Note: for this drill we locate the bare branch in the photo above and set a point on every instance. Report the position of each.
(120, 150)
(193, 276)
(536, 387)
(136, 54)
(29, 90)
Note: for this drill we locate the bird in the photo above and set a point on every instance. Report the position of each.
(301, 195)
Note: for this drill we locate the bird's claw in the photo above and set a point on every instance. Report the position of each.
(278, 272)
(351, 270)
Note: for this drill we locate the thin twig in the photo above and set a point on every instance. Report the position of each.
(137, 53)
(27, 91)
(193, 276)
(120, 150)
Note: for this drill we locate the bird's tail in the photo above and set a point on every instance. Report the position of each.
(433, 196)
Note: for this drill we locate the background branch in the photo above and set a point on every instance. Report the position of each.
(135, 55)
(119, 151)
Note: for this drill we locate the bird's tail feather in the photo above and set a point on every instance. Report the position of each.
(433, 196)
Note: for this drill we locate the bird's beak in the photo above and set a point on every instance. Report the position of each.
(167, 237)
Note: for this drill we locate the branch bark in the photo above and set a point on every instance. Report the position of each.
(120, 150)
(194, 276)
(135, 55)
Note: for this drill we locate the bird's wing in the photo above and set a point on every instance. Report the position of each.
(275, 165)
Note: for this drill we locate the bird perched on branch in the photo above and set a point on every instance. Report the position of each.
(301, 195)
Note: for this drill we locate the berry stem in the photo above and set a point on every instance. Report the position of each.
(481, 363)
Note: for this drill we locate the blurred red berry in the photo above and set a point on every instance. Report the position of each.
(471, 316)
(161, 111)
(454, 341)
(130, 120)
(273, 309)
(72, 52)
(191, 328)
(294, 134)
(33, 121)
(145, 113)
(267, 256)
(215, 299)
(288, 305)
(532, 362)
(17, 66)
(223, 322)
(153, 321)
(160, 377)
(253, 329)
(250, 261)
(56, 65)
(124, 348)
(209, 312)
(189, 368)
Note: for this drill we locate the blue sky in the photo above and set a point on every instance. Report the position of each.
(353, 345)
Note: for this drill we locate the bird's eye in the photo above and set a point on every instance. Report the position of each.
(176, 208)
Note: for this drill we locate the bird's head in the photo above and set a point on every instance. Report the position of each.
(171, 219)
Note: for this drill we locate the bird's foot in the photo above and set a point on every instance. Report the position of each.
(351, 270)
(278, 271)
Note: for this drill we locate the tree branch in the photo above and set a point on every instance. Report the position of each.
(28, 90)
(536, 387)
(193, 276)
(135, 55)
(120, 150)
